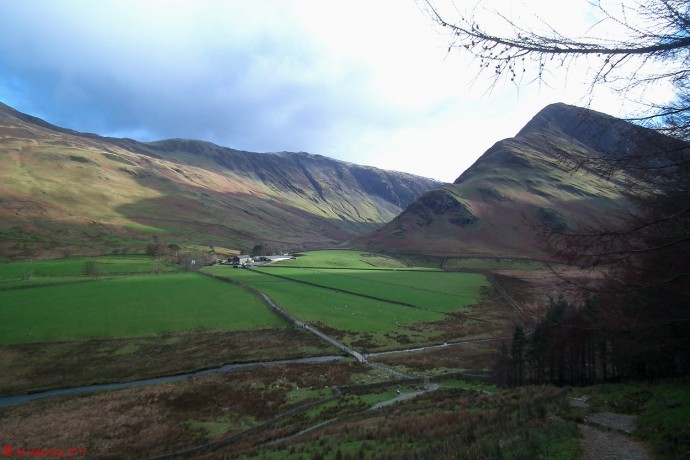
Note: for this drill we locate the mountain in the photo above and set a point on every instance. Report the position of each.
(534, 181)
(63, 192)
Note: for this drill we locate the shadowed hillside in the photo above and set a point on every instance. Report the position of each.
(64, 192)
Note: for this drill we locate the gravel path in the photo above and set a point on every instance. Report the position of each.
(606, 436)
(608, 445)
(610, 421)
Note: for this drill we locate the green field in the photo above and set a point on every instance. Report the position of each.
(341, 258)
(357, 293)
(492, 263)
(129, 306)
(436, 294)
(75, 267)
(429, 290)
(338, 310)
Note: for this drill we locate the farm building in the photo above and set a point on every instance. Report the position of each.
(241, 260)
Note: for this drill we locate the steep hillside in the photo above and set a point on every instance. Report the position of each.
(523, 184)
(64, 192)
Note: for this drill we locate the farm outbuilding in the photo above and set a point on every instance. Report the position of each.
(275, 258)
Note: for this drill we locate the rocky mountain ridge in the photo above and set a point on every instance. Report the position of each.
(559, 173)
(65, 192)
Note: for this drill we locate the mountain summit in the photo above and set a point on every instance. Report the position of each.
(549, 176)
(63, 192)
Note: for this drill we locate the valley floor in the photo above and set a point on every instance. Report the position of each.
(420, 388)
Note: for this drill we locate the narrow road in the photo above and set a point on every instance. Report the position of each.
(405, 396)
(431, 347)
(272, 305)
(355, 354)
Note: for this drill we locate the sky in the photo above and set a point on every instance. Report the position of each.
(369, 82)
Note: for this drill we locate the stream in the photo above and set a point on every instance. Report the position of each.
(6, 401)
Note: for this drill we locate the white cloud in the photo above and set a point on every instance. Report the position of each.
(367, 82)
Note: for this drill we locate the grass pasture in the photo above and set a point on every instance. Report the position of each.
(128, 306)
(434, 291)
(337, 310)
(363, 309)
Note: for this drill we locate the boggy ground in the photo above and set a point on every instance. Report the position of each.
(612, 421)
(42, 366)
(147, 421)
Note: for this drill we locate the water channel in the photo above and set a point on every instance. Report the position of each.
(6, 401)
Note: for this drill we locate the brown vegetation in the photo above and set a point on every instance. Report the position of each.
(449, 424)
(41, 366)
(453, 358)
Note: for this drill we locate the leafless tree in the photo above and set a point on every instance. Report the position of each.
(651, 47)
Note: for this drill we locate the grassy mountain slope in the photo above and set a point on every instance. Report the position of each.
(522, 185)
(64, 192)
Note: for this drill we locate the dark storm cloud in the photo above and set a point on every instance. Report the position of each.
(242, 77)
(369, 82)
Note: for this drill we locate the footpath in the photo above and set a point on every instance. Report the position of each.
(606, 435)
